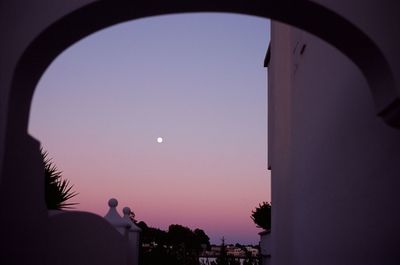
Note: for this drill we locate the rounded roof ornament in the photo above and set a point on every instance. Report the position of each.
(113, 202)
(127, 211)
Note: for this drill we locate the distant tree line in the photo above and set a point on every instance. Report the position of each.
(179, 245)
(225, 259)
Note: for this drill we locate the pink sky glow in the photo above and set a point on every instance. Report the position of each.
(197, 80)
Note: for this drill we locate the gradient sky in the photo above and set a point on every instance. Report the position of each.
(198, 81)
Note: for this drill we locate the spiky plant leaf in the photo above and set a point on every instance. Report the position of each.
(57, 190)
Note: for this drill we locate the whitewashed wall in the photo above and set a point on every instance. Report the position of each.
(335, 164)
(265, 247)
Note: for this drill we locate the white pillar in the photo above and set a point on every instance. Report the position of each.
(134, 239)
(265, 247)
(113, 217)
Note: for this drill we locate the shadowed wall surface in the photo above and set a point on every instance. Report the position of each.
(333, 163)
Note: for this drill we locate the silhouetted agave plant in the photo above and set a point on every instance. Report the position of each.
(57, 190)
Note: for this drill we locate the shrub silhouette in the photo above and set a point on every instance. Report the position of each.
(262, 216)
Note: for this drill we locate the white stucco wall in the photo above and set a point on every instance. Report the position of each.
(265, 247)
(22, 207)
(20, 23)
(82, 238)
(334, 163)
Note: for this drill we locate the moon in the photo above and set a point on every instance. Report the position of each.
(160, 140)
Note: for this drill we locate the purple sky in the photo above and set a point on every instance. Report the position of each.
(198, 81)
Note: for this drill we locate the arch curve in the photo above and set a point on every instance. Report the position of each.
(305, 15)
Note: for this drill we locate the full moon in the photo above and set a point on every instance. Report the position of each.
(160, 140)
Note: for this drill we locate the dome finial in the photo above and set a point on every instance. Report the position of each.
(113, 202)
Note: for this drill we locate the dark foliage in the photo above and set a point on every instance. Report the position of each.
(181, 235)
(178, 246)
(202, 238)
(58, 191)
(262, 216)
(158, 255)
(150, 235)
(250, 260)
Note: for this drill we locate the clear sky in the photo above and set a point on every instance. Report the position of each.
(198, 81)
